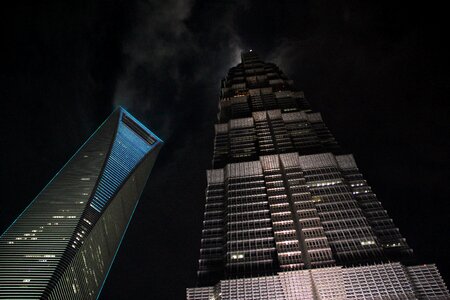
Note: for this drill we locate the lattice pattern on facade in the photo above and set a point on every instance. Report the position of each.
(215, 176)
(427, 282)
(316, 161)
(302, 209)
(314, 117)
(202, 293)
(379, 281)
(282, 199)
(346, 162)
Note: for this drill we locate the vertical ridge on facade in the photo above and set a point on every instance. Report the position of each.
(288, 215)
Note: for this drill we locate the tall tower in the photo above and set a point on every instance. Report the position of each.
(63, 244)
(288, 215)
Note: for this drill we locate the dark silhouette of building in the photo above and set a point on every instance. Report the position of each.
(65, 241)
(288, 215)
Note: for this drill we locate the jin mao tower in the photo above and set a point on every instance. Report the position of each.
(288, 214)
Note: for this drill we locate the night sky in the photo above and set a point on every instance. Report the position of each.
(378, 72)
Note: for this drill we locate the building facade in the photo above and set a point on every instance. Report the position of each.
(288, 215)
(64, 243)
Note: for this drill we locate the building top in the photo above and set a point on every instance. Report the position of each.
(136, 125)
(65, 240)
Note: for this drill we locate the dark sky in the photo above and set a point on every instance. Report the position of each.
(378, 72)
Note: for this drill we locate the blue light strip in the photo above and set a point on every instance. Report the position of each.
(59, 172)
(127, 151)
(141, 125)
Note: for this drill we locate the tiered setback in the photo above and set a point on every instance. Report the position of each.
(270, 132)
(288, 215)
(290, 212)
(377, 281)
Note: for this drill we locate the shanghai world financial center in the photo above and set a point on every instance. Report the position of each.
(64, 242)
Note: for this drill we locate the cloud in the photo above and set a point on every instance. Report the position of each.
(175, 57)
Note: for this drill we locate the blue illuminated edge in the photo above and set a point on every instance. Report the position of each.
(138, 199)
(124, 111)
(158, 141)
(121, 240)
(56, 175)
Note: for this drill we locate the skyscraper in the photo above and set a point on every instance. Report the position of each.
(64, 242)
(288, 215)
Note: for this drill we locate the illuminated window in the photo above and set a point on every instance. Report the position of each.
(365, 243)
(237, 256)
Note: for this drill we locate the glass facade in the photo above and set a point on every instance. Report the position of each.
(288, 215)
(63, 244)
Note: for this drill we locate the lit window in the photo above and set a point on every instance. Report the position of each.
(237, 256)
(365, 243)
